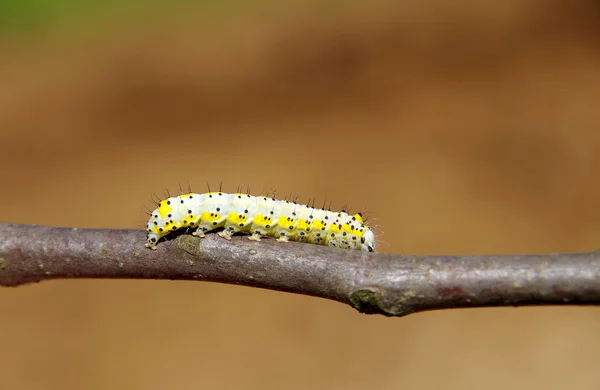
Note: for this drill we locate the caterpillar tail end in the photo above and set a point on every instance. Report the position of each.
(368, 241)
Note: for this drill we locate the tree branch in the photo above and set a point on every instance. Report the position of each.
(392, 285)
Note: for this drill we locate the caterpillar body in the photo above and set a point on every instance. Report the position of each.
(258, 216)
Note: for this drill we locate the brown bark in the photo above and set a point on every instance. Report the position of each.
(374, 283)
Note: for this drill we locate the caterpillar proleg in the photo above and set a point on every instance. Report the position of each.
(258, 216)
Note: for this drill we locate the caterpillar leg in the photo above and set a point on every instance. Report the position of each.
(226, 234)
(151, 245)
(256, 236)
(283, 238)
(199, 232)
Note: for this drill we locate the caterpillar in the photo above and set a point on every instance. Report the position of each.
(258, 216)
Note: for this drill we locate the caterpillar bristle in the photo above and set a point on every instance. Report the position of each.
(147, 211)
(313, 202)
(380, 233)
(158, 200)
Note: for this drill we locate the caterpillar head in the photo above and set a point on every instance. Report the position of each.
(368, 241)
(152, 233)
(151, 240)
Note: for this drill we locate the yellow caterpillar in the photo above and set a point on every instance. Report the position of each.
(258, 216)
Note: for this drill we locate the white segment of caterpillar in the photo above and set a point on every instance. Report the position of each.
(258, 216)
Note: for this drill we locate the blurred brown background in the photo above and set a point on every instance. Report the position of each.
(464, 127)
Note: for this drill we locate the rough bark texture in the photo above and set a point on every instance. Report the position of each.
(392, 285)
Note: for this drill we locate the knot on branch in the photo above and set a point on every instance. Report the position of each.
(368, 301)
(189, 244)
